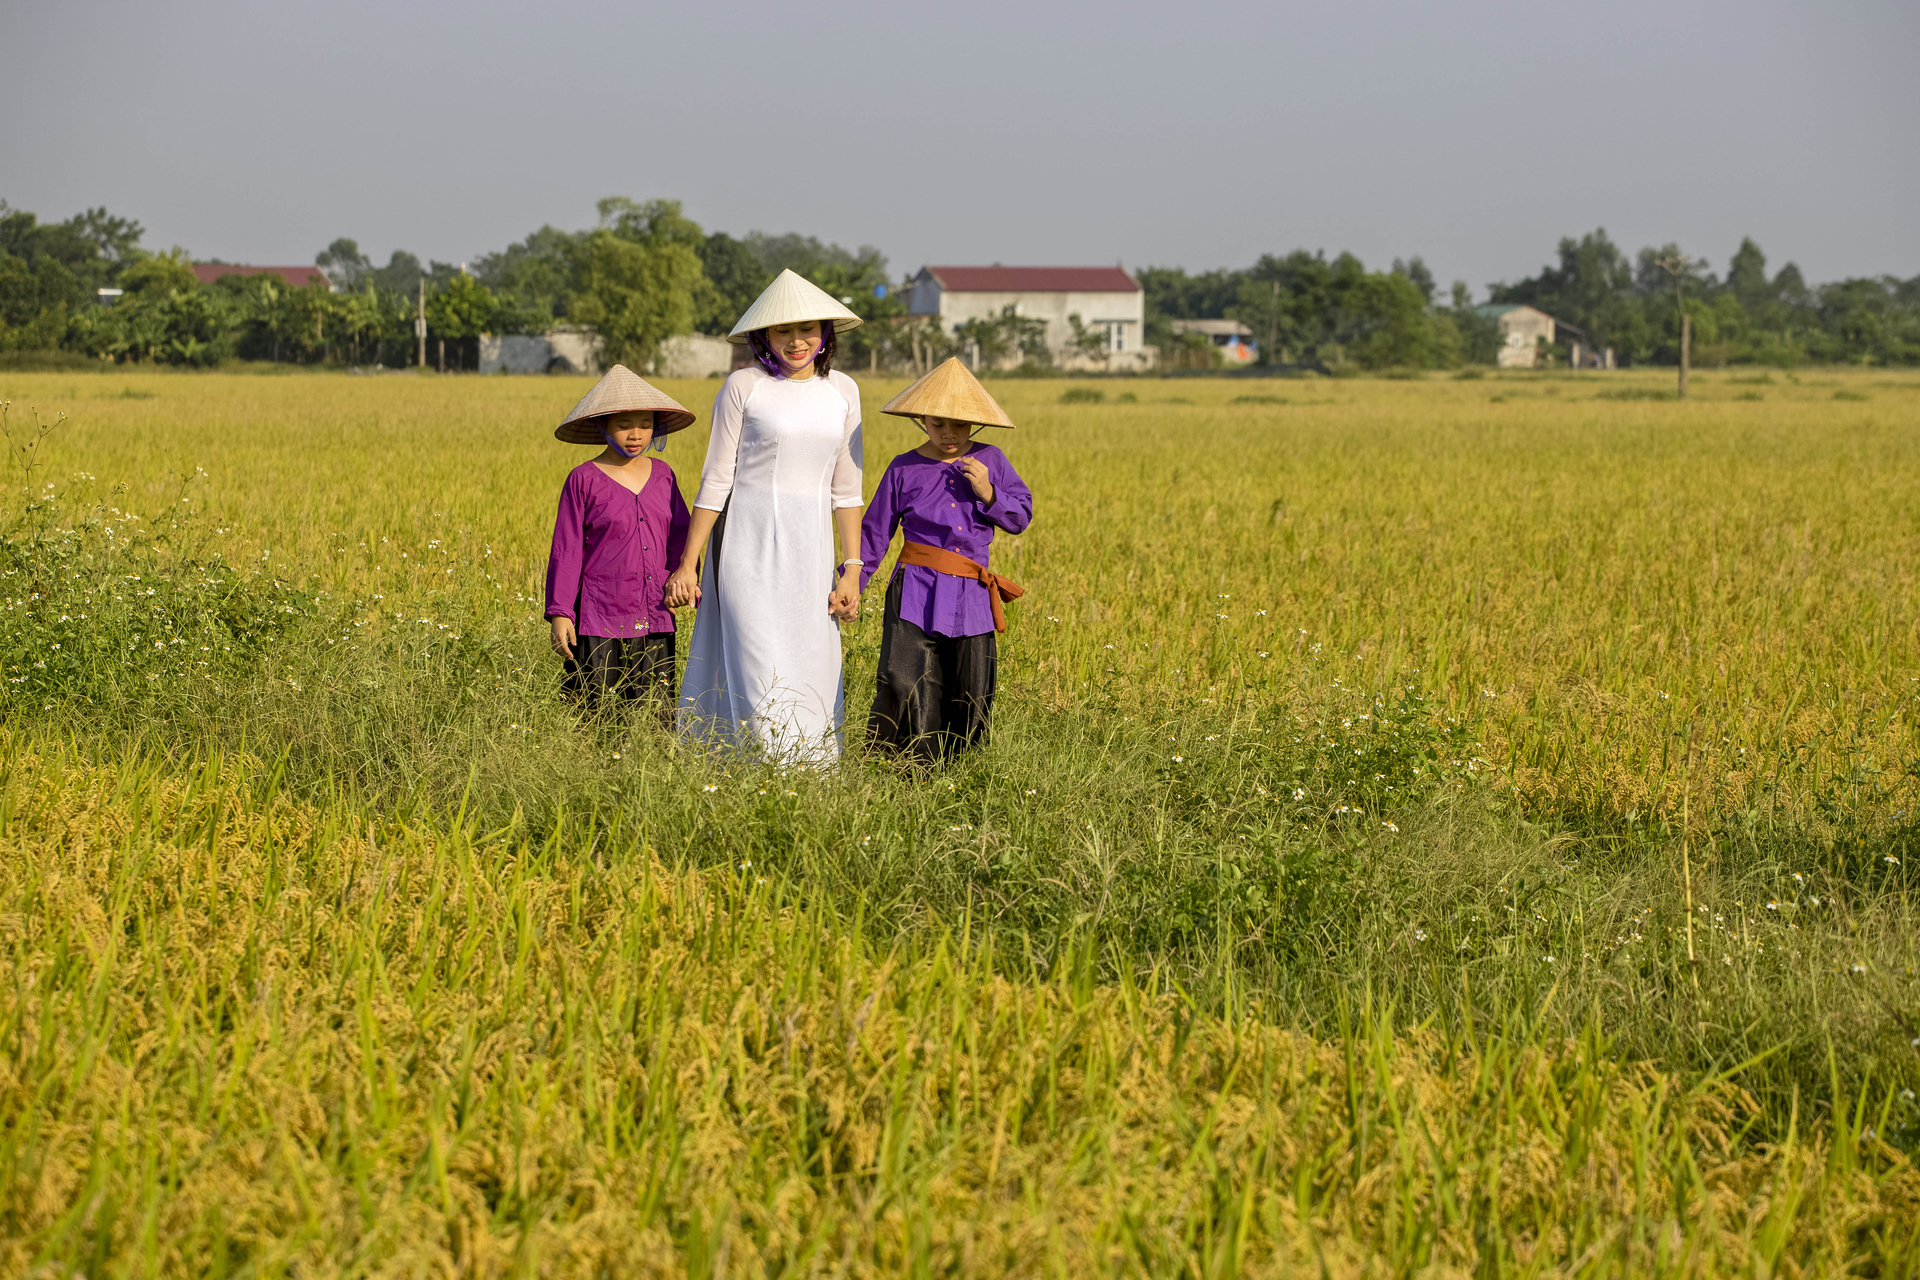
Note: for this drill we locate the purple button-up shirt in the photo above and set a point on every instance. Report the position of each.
(933, 502)
(612, 551)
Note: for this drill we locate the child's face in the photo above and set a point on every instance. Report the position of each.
(948, 437)
(795, 344)
(632, 430)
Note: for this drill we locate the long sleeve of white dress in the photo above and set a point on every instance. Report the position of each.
(764, 663)
(847, 478)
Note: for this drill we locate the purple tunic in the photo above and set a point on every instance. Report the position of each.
(613, 550)
(931, 501)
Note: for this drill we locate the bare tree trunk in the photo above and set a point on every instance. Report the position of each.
(443, 355)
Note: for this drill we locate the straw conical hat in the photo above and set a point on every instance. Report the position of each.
(950, 391)
(620, 390)
(792, 298)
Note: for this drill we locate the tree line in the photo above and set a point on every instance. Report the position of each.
(1306, 309)
(642, 274)
(645, 271)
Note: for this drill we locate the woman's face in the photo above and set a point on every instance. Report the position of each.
(795, 344)
(948, 437)
(632, 430)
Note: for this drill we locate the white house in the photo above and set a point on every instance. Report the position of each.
(1523, 331)
(1107, 300)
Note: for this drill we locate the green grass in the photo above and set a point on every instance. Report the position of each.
(1565, 736)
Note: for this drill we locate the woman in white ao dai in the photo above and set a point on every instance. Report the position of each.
(764, 666)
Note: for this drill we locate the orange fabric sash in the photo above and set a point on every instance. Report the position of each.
(952, 562)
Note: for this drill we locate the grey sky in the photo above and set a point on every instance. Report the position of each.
(1472, 134)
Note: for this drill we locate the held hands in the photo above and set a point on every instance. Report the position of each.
(843, 603)
(564, 636)
(683, 588)
(976, 473)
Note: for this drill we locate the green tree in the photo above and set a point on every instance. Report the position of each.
(996, 339)
(459, 312)
(635, 295)
(735, 277)
(532, 280)
(347, 268)
(401, 274)
(163, 273)
(1092, 344)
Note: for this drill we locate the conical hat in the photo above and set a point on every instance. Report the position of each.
(620, 390)
(950, 391)
(790, 298)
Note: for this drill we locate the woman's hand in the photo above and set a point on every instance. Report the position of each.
(564, 636)
(844, 602)
(683, 588)
(976, 474)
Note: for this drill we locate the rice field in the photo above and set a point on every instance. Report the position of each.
(1457, 825)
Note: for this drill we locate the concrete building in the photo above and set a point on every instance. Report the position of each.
(1525, 330)
(571, 349)
(1231, 339)
(565, 349)
(298, 277)
(1107, 300)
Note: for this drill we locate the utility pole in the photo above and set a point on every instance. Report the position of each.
(1676, 266)
(420, 323)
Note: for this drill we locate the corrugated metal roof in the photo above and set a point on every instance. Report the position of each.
(1212, 328)
(1034, 279)
(208, 272)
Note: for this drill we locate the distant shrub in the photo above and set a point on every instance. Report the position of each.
(1083, 395)
(1750, 395)
(1851, 395)
(1635, 393)
(1126, 397)
(1258, 400)
(1469, 375)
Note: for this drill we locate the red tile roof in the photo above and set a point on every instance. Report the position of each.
(1034, 279)
(208, 272)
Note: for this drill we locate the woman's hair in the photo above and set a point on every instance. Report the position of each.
(773, 364)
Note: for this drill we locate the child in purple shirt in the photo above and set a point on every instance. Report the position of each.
(619, 533)
(939, 651)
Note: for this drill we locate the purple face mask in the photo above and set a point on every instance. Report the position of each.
(763, 350)
(615, 444)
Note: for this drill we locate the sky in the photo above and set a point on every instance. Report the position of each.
(1474, 135)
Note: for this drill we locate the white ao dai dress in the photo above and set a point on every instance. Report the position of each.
(764, 667)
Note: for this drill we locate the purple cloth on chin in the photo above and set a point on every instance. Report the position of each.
(932, 501)
(613, 551)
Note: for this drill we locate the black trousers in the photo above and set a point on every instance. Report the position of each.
(934, 693)
(622, 668)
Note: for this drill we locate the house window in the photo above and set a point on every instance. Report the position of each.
(1116, 335)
